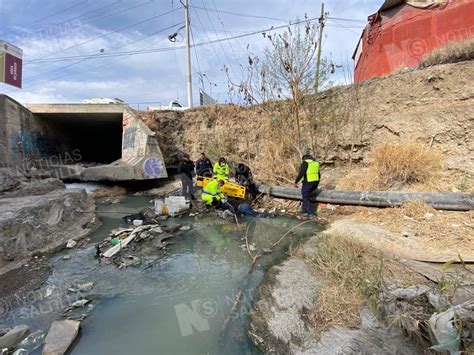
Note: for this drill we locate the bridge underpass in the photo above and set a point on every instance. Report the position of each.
(88, 142)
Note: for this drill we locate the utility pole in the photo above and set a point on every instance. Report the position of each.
(320, 42)
(188, 54)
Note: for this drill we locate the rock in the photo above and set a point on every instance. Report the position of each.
(429, 215)
(278, 317)
(60, 336)
(36, 187)
(71, 243)
(10, 179)
(185, 228)
(172, 229)
(129, 260)
(156, 230)
(4, 331)
(66, 257)
(13, 337)
(32, 225)
(147, 214)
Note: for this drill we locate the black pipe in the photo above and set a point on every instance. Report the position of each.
(450, 201)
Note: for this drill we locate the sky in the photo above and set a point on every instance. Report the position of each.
(53, 33)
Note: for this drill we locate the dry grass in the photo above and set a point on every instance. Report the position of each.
(451, 53)
(435, 231)
(354, 274)
(396, 165)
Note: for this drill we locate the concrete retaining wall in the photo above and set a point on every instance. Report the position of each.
(31, 136)
(22, 136)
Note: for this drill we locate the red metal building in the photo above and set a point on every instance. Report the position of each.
(403, 31)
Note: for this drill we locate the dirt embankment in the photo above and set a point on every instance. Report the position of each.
(433, 106)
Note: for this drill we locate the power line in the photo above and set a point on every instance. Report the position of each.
(165, 49)
(220, 43)
(209, 40)
(97, 66)
(346, 19)
(195, 52)
(119, 45)
(79, 16)
(225, 32)
(46, 17)
(240, 14)
(108, 34)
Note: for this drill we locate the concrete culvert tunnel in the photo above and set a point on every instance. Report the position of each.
(90, 140)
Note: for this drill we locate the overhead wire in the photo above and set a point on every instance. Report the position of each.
(165, 49)
(100, 65)
(44, 18)
(209, 40)
(115, 46)
(97, 18)
(107, 34)
(57, 24)
(220, 43)
(240, 14)
(225, 32)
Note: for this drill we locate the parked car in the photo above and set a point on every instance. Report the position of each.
(173, 106)
(102, 100)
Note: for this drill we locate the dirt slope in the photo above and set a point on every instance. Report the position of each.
(434, 105)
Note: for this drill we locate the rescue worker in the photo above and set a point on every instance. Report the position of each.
(186, 171)
(212, 194)
(241, 207)
(203, 166)
(310, 175)
(221, 170)
(244, 177)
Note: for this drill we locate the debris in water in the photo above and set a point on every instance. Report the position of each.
(81, 287)
(71, 243)
(78, 304)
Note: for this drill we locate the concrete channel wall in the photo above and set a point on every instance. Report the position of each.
(88, 142)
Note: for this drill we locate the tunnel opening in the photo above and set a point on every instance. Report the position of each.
(86, 139)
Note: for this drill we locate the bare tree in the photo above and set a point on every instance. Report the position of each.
(287, 71)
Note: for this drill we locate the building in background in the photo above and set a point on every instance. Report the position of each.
(403, 31)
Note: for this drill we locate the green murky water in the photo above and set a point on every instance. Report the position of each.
(180, 303)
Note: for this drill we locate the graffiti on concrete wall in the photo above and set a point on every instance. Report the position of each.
(129, 134)
(32, 144)
(153, 167)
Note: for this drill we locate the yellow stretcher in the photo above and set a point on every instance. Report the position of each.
(230, 189)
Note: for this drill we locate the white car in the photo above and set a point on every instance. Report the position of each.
(102, 100)
(173, 106)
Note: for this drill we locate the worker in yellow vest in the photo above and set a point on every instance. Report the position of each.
(212, 194)
(221, 170)
(310, 175)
